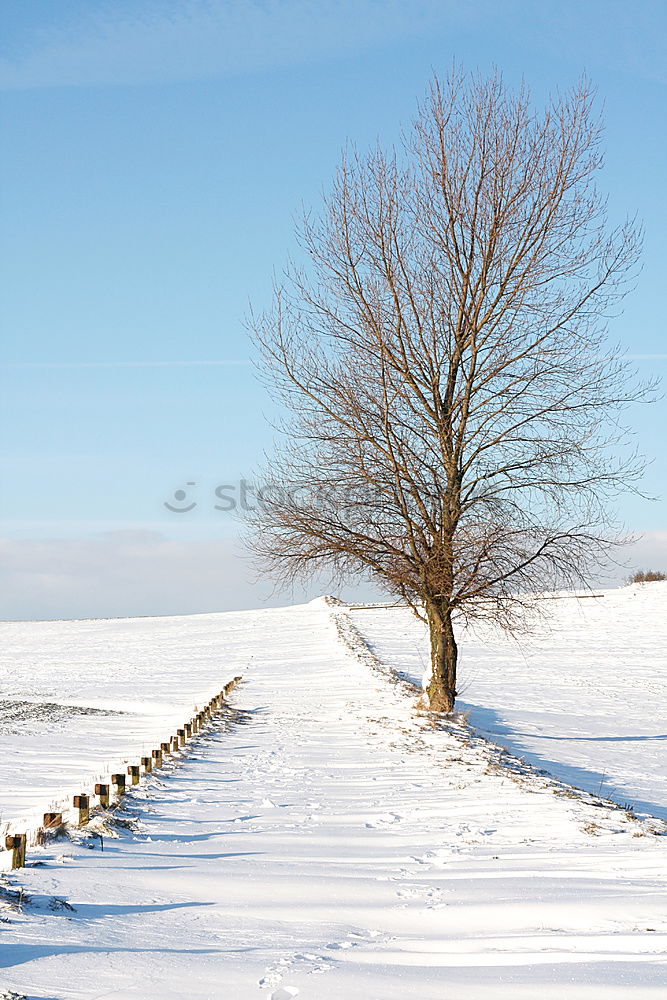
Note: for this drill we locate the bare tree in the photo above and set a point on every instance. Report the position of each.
(453, 405)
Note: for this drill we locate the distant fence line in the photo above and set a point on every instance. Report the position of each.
(15, 844)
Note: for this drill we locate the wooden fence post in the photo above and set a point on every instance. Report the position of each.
(188, 730)
(103, 791)
(52, 821)
(82, 804)
(15, 843)
(147, 764)
(134, 770)
(119, 781)
(157, 758)
(165, 747)
(174, 744)
(181, 737)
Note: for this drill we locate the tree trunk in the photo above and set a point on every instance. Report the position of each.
(444, 654)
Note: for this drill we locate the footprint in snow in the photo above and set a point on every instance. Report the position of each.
(432, 897)
(304, 962)
(385, 819)
(439, 858)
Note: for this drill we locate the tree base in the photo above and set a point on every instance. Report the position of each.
(441, 701)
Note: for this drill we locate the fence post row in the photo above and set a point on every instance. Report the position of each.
(16, 842)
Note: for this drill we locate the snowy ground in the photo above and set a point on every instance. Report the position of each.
(80, 699)
(323, 841)
(585, 698)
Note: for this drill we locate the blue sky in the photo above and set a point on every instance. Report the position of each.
(154, 157)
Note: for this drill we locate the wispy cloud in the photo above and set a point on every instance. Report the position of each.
(143, 41)
(154, 41)
(211, 363)
(135, 572)
(123, 364)
(645, 357)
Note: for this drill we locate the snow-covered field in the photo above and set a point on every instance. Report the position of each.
(585, 698)
(80, 699)
(320, 840)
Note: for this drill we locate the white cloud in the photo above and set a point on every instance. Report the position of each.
(648, 552)
(139, 572)
(131, 573)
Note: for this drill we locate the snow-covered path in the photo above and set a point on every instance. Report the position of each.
(323, 841)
